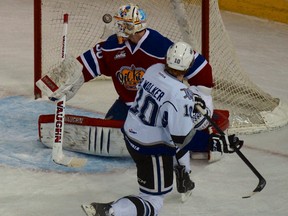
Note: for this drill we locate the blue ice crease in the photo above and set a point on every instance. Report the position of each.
(20, 147)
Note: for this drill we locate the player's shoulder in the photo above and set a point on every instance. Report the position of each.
(200, 60)
(111, 43)
(155, 43)
(155, 67)
(157, 74)
(178, 90)
(155, 36)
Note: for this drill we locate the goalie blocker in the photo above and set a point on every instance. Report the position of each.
(103, 137)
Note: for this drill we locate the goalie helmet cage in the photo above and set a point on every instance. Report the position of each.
(197, 22)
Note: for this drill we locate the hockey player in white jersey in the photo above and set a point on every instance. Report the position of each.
(162, 119)
(126, 63)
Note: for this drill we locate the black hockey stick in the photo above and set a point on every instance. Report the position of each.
(262, 181)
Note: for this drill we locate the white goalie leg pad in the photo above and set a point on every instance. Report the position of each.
(64, 79)
(214, 156)
(100, 141)
(93, 136)
(211, 156)
(199, 155)
(184, 161)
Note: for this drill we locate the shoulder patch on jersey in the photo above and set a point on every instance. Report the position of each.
(188, 93)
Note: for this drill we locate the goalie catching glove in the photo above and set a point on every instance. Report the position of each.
(65, 79)
(224, 143)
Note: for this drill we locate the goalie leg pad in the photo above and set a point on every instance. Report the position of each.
(88, 135)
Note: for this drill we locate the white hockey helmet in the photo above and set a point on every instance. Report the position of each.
(129, 20)
(180, 56)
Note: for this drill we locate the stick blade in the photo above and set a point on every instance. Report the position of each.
(89, 210)
(260, 186)
(61, 159)
(71, 161)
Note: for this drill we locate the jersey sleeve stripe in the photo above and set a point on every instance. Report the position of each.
(198, 65)
(97, 63)
(90, 62)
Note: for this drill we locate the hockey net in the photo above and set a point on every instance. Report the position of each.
(251, 109)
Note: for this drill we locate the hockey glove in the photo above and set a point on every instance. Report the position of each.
(198, 101)
(224, 144)
(65, 79)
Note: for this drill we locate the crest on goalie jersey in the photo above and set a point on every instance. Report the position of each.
(129, 77)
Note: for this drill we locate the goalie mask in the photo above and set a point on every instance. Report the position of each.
(180, 56)
(129, 20)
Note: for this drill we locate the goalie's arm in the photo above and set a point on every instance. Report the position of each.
(65, 79)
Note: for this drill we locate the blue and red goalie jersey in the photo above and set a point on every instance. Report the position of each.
(126, 63)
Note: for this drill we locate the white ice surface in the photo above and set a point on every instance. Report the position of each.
(31, 185)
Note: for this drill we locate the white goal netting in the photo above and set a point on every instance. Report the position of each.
(251, 109)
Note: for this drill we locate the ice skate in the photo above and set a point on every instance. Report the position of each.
(184, 184)
(98, 209)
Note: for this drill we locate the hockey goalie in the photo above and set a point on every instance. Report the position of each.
(123, 56)
(97, 136)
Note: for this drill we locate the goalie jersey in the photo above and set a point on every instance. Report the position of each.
(126, 63)
(161, 115)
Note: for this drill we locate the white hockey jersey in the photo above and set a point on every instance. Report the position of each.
(162, 113)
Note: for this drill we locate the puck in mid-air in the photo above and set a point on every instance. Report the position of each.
(107, 18)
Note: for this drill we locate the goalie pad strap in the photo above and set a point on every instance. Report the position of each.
(83, 120)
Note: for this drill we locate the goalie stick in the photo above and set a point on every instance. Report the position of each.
(57, 149)
(262, 181)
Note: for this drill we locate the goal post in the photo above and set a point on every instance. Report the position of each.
(197, 22)
(37, 47)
